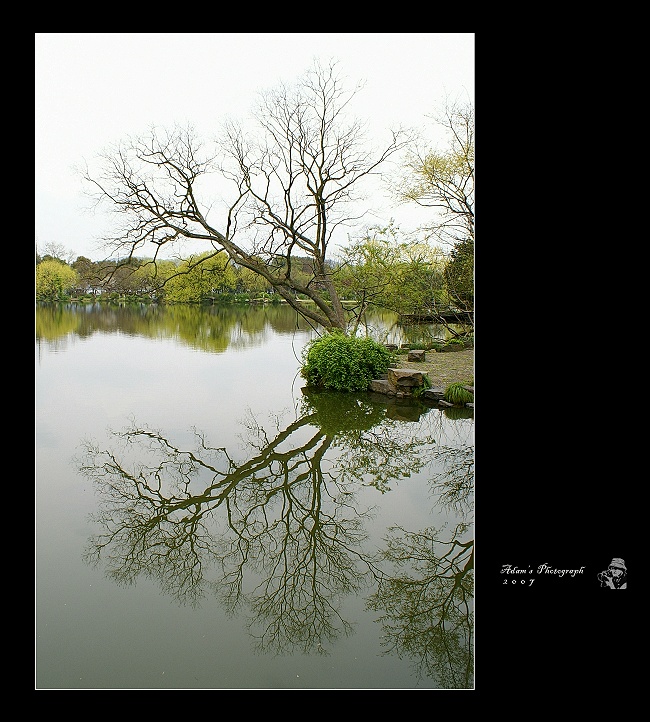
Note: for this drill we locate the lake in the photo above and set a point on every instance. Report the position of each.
(204, 521)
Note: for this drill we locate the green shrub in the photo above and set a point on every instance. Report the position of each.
(344, 363)
(456, 394)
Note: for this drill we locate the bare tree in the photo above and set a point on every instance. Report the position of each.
(56, 250)
(294, 178)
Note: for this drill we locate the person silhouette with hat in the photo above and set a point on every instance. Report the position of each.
(615, 576)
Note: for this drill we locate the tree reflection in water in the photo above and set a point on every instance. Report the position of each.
(288, 543)
(425, 606)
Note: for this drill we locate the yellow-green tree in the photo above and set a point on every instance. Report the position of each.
(384, 270)
(248, 281)
(417, 282)
(200, 277)
(443, 180)
(54, 279)
(149, 277)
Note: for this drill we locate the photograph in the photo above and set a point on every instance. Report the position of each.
(255, 366)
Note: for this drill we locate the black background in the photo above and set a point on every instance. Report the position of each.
(560, 458)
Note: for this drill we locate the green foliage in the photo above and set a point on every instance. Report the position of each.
(344, 363)
(365, 275)
(456, 394)
(54, 279)
(459, 274)
(383, 270)
(200, 277)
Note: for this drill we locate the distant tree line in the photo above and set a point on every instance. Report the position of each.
(379, 270)
(191, 280)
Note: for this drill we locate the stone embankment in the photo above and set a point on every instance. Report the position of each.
(402, 382)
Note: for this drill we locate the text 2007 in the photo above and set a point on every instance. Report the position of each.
(519, 581)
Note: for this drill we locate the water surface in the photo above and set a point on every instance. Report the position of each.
(205, 522)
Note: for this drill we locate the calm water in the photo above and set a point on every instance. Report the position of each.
(202, 522)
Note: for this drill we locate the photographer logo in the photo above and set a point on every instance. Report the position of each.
(615, 576)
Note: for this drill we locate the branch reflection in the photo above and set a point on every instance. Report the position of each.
(426, 605)
(277, 535)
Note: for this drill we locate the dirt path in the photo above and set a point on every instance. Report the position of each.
(444, 368)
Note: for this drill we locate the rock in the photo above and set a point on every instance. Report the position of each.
(435, 393)
(416, 355)
(400, 384)
(382, 386)
(405, 378)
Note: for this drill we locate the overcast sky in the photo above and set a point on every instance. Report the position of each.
(94, 89)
